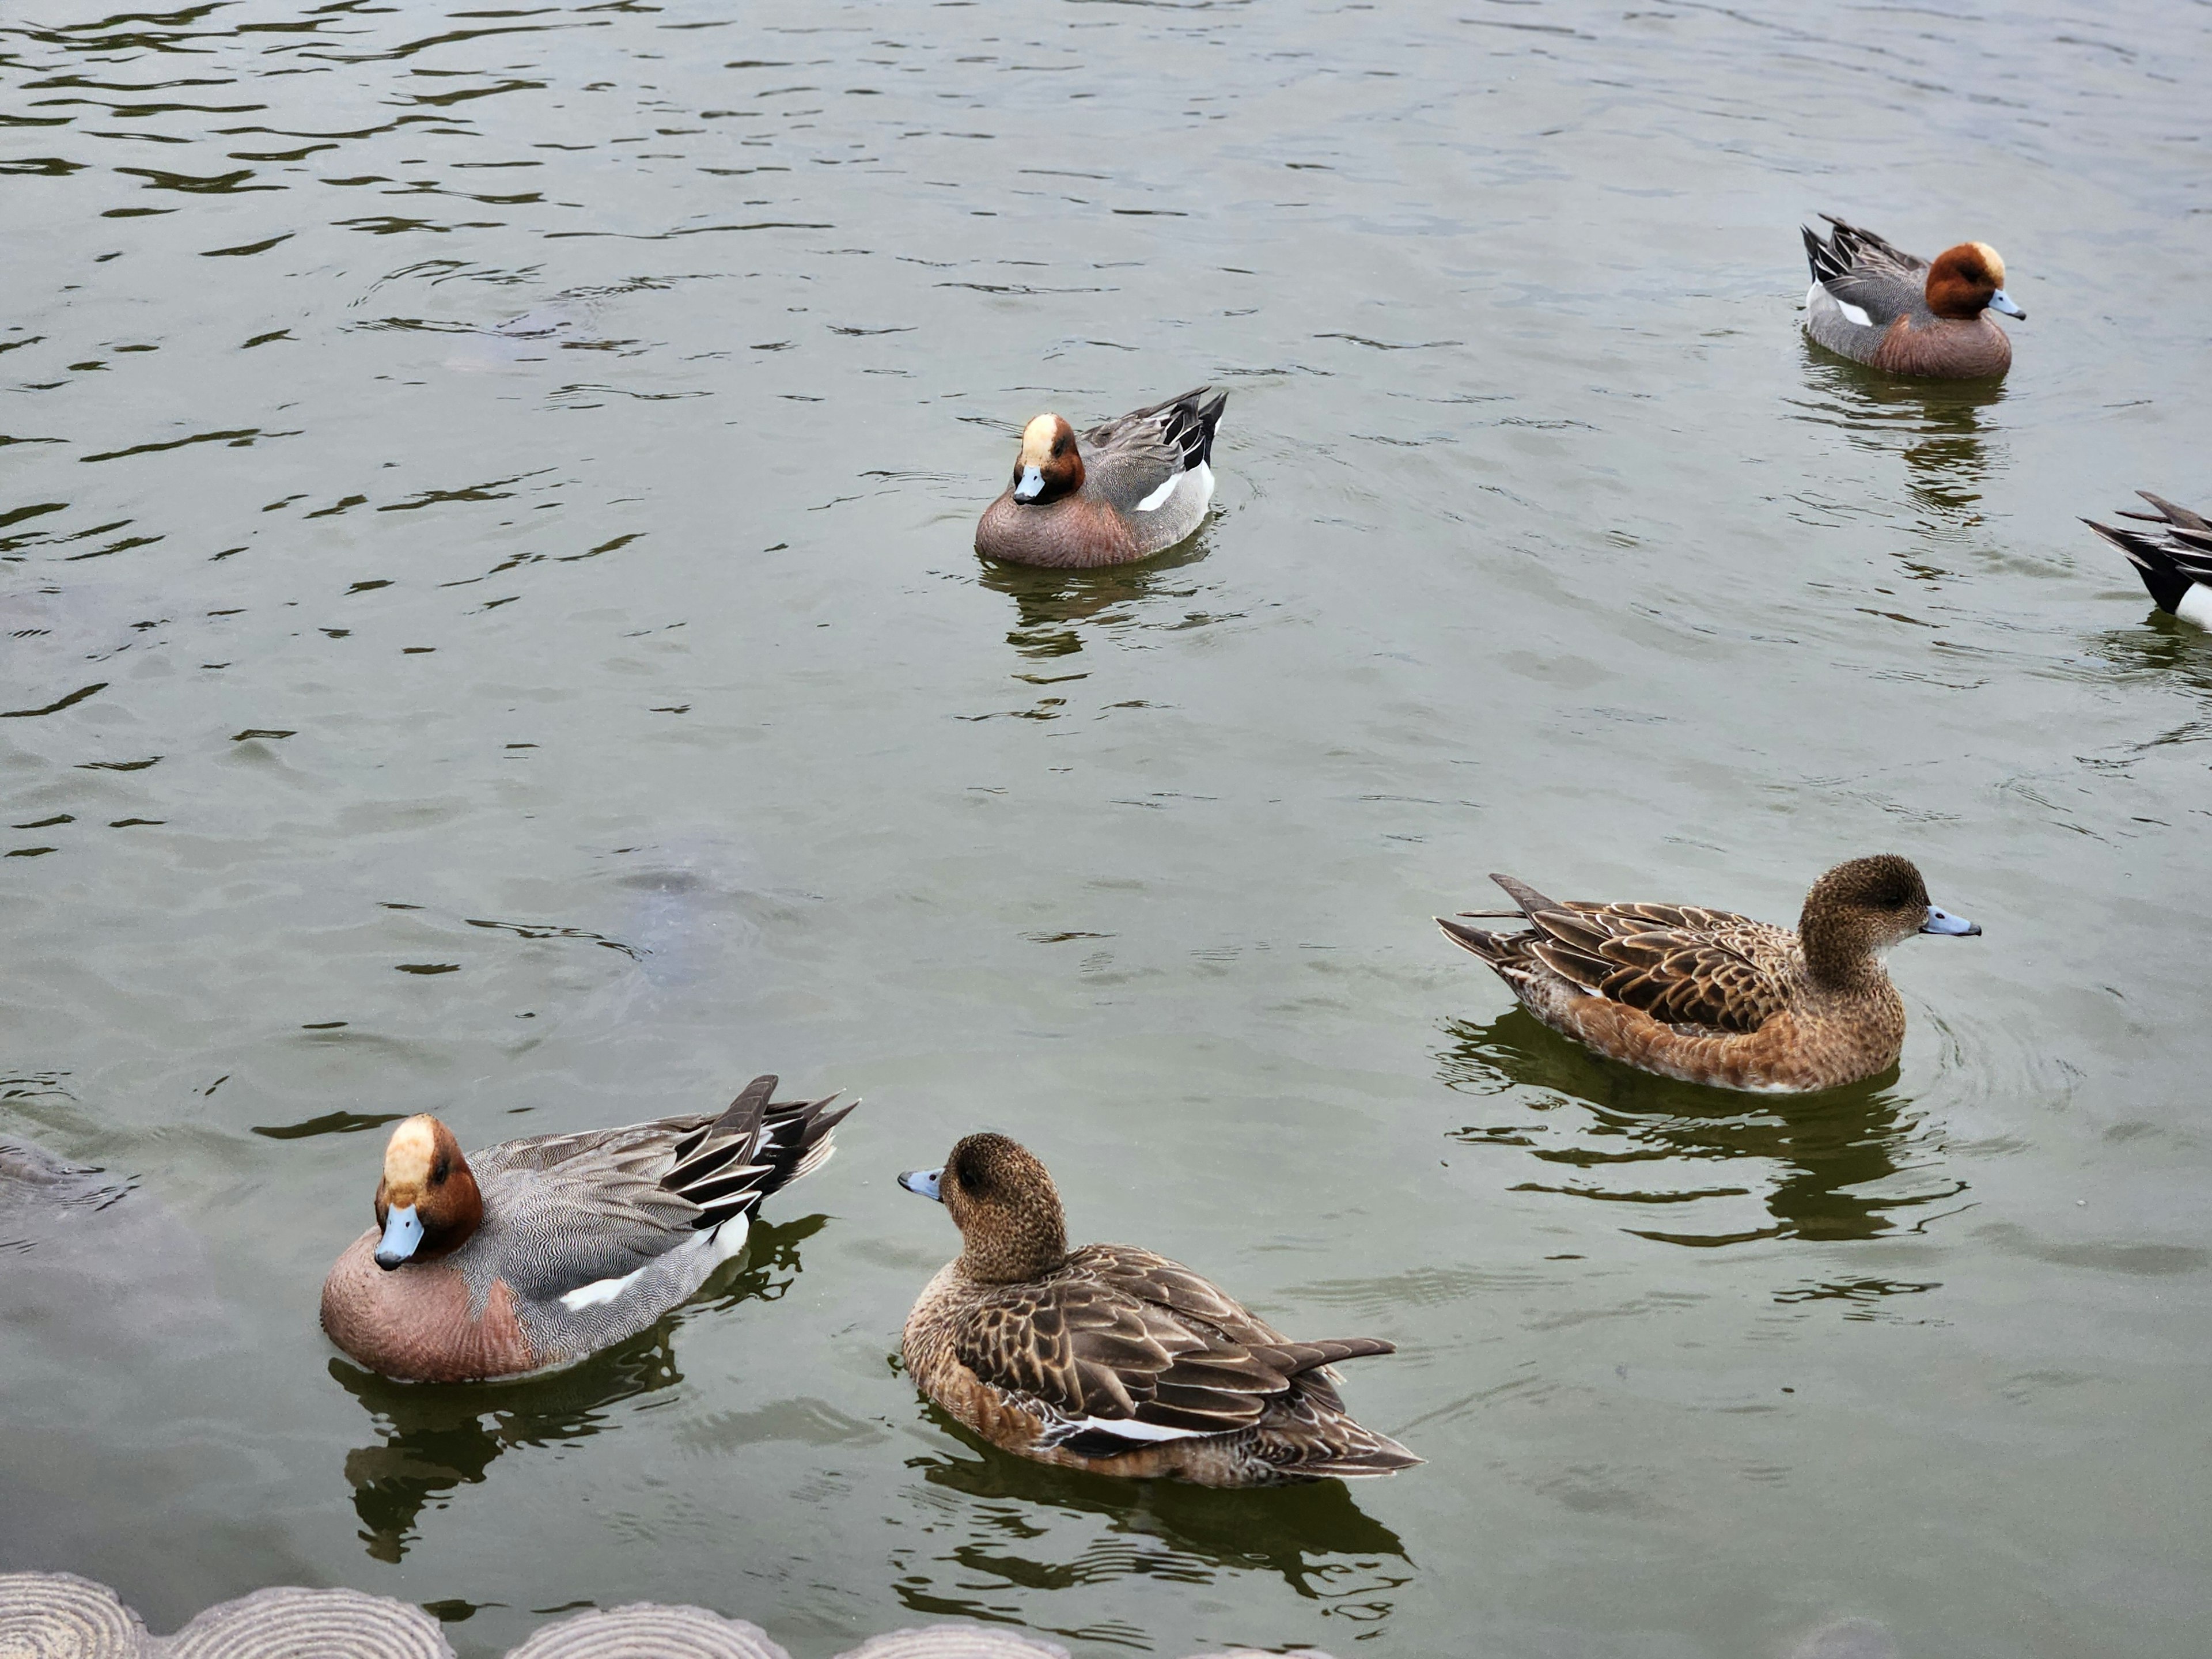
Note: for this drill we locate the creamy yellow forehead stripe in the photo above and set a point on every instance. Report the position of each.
(1994, 260)
(1036, 440)
(413, 1149)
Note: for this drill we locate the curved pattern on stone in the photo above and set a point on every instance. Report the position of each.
(645, 1629)
(58, 1615)
(290, 1623)
(956, 1641)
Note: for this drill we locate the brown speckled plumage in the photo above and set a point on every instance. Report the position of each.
(1115, 1360)
(1714, 998)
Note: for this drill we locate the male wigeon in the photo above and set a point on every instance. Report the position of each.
(1891, 310)
(2176, 566)
(1714, 998)
(1111, 1359)
(535, 1253)
(1130, 489)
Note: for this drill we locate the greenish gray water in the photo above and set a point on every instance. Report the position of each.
(508, 474)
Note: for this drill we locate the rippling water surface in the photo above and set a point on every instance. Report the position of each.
(490, 627)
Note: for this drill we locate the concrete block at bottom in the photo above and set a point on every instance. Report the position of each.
(645, 1629)
(956, 1641)
(1254, 1653)
(58, 1615)
(290, 1623)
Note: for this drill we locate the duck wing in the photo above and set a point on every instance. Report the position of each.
(1680, 963)
(1863, 270)
(1127, 460)
(597, 1204)
(1122, 1348)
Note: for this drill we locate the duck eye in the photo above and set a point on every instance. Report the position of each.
(440, 1170)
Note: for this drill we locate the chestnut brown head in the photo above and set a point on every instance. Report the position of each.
(1968, 279)
(428, 1204)
(1050, 465)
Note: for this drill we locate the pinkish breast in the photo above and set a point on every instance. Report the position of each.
(414, 1322)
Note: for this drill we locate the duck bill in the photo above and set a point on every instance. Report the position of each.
(2002, 301)
(1942, 922)
(402, 1235)
(1029, 485)
(924, 1181)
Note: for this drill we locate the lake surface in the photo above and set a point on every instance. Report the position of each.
(490, 627)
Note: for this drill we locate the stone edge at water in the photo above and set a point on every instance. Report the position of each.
(58, 1615)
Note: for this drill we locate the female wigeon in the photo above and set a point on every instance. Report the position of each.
(1132, 488)
(1718, 999)
(535, 1253)
(1111, 1359)
(2175, 566)
(1891, 310)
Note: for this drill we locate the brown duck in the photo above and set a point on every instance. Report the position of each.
(1878, 304)
(1710, 997)
(1111, 1359)
(1128, 489)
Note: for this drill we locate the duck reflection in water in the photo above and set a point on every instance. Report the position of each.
(1843, 1164)
(1054, 607)
(440, 1436)
(1935, 426)
(1028, 1527)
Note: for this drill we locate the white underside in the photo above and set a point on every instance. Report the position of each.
(725, 1242)
(598, 1291)
(1122, 1428)
(2196, 606)
(1851, 313)
(1198, 478)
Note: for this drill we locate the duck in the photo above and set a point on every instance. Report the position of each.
(2175, 563)
(1875, 304)
(1111, 1359)
(529, 1256)
(1131, 488)
(1714, 998)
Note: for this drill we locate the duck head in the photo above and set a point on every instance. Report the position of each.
(1012, 1227)
(428, 1204)
(1865, 906)
(1968, 279)
(1050, 465)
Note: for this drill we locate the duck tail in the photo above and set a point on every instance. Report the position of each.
(1357, 1454)
(2163, 576)
(729, 1165)
(1187, 422)
(1820, 255)
(1209, 417)
(798, 1138)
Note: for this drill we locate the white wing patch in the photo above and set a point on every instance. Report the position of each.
(1122, 1428)
(598, 1291)
(730, 1238)
(1160, 496)
(1851, 313)
(2196, 606)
